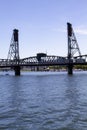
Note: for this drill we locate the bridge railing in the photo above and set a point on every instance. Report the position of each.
(8, 63)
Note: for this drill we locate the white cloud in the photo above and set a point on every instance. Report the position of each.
(81, 31)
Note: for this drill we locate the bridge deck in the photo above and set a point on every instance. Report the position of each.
(44, 61)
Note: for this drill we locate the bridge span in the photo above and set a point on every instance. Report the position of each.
(74, 56)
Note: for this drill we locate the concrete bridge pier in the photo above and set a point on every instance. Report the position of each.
(38, 69)
(70, 69)
(17, 70)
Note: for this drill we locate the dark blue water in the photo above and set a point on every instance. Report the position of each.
(43, 101)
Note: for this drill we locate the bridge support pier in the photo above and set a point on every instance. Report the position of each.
(17, 70)
(70, 69)
(38, 68)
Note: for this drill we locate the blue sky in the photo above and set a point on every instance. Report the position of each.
(42, 25)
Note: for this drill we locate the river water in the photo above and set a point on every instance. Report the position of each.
(43, 101)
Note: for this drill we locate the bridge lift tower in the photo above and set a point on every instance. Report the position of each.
(73, 47)
(13, 53)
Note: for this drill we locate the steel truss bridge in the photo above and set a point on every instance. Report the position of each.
(74, 56)
(45, 61)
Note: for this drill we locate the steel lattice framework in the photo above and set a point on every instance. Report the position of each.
(13, 53)
(47, 60)
(73, 47)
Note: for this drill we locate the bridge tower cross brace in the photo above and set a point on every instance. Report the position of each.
(13, 54)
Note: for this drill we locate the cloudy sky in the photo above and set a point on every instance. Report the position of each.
(42, 25)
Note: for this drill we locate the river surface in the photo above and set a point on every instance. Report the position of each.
(43, 101)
